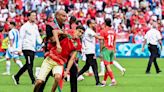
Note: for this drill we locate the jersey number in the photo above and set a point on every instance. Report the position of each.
(110, 40)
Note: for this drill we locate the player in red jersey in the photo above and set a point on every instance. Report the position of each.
(108, 50)
(58, 56)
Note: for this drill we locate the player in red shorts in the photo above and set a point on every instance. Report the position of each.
(108, 50)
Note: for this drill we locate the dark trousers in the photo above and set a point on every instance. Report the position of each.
(29, 56)
(90, 61)
(73, 79)
(152, 59)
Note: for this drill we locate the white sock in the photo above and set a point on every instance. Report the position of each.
(117, 65)
(19, 63)
(90, 70)
(102, 67)
(8, 64)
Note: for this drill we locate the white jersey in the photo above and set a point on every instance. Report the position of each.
(14, 37)
(12, 50)
(89, 41)
(152, 36)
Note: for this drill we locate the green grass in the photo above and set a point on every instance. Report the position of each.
(135, 79)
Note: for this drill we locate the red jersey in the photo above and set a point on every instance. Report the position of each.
(68, 46)
(71, 32)
(92, 12)
(109, 38)
(19, 4)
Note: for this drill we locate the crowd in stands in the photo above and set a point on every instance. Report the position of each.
(130, 16)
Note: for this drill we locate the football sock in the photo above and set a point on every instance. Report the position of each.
(19, 63)
(8, 64)
(117, 65)
(106, 76)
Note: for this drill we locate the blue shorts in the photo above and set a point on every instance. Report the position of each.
(10, 55)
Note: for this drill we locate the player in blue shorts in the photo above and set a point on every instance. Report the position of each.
(13, 49)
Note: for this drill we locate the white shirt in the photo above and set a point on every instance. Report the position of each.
(89, 41)
(60, 7)
(12, 14)
(158, 11)
(99, 20)
(77, 6)
(116, 22)
(152, 36)
(108, 10)
(29, 36)
(99, 5)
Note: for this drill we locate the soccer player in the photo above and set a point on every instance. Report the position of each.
(108, 50)
(13, 49)
(58, 56)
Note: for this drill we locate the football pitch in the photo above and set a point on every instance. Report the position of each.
(135, 79)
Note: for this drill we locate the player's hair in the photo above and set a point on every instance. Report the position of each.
(108, 22)
(88, 22)
(78, 21)
(13, 23)
(80, 27)
(72, 20)
(29, 14)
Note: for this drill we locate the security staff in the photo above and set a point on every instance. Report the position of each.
(153, 38)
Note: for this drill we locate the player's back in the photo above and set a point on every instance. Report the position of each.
(14, 35)
(109, 37)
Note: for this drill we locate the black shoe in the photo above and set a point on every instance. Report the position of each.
(147, 72)
(33, 82)
(16, 80)
(100, 84)
(159, 71)
(65, 79)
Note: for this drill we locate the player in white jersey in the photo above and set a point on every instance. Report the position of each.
(13, 49)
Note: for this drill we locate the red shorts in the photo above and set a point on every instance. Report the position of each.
(107, 63)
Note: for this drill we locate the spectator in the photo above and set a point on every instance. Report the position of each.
(92, 12)
(117, 21)
(158, 11)
(99, 18)
(12, 13)
(128, 16)
(99, 5)
(108, 10)
(138, 38)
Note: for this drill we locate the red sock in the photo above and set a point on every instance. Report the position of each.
(105, 76)
(110, 73)
(111, 62)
